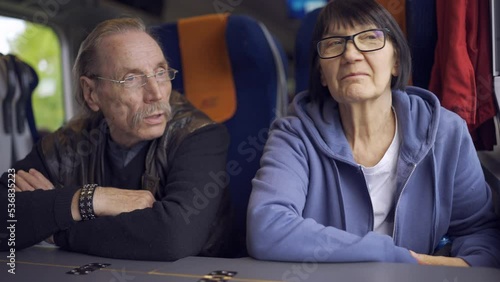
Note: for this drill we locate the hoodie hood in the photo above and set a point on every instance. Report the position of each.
(417, 111)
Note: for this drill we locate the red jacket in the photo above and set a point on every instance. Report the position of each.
(462, 76)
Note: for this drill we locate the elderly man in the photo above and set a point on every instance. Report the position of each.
(140, 174)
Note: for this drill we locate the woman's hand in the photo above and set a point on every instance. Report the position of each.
(438, 260)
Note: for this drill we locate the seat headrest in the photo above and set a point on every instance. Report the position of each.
(8, 71)
(208, 77)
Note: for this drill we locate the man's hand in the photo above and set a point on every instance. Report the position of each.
(438, 260)
(32, 180)
(109, 201)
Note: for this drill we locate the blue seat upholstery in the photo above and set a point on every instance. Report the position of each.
(421, 26)
(259, 71)
(303, 48)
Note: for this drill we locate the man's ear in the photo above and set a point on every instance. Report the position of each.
(89, 92)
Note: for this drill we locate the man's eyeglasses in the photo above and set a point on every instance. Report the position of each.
(365, 41)
(136, 81)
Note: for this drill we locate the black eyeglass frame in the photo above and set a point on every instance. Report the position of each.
(346, 38)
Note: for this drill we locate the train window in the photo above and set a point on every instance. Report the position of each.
(39, 46)
(299, 8)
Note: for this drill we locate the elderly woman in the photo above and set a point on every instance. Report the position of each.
(365, 168)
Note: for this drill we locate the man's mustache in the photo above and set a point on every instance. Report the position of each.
(156, 108)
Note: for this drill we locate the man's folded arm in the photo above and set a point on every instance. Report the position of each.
(178, 224)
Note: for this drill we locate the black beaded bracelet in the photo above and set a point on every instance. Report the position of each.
(86, 201)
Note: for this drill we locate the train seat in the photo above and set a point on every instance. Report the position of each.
(303, 49)
(17, 125)
(234, 70)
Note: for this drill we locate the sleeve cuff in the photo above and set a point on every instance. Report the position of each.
(62, 207)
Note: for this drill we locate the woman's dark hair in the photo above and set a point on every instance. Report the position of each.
(348, 13)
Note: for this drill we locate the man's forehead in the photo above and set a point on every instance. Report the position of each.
(132, 50)
(128, 42)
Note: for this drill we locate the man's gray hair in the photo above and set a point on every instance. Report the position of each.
(87, 60)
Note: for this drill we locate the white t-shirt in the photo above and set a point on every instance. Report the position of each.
(381, 181)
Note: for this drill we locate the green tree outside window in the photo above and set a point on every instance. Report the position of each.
(39, 46)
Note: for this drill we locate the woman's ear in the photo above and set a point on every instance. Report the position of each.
(89, 92)
(395, 69)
